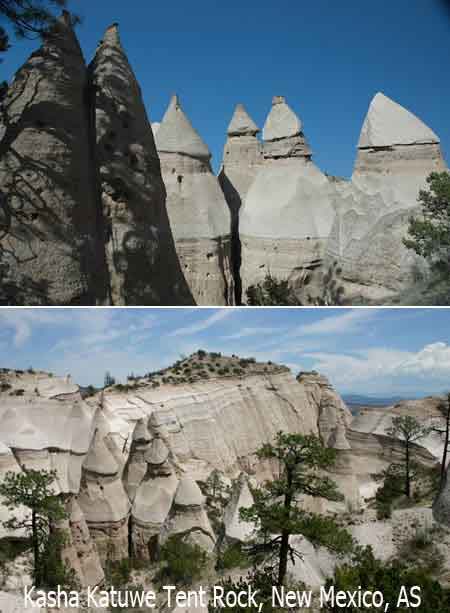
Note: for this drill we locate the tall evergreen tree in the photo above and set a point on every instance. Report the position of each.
(301, 461)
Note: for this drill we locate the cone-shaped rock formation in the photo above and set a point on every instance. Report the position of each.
(153, 500)
(102, 497)
(288, 213)
(242, 157)
(141, 257)
(197, 210)
(396, 154)
(50, 245)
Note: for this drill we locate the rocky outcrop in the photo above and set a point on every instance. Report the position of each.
(199, 418)
(242, 156)
(102, 497)
(198, 213)
(188, 519)
(46, 425)
(142, 262)
(136, 466)
(396, 153)
(50, 234)
(80, 552)
(236, 529)
(153, 501)
(334, 417)
(288, 212)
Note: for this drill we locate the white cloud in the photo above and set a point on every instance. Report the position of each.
(342, 323)
(203, 324)
(252, 331)
(384, 370)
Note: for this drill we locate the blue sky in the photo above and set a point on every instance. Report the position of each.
(368, 351)
(328, 58)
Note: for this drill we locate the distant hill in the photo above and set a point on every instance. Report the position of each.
(370, 401)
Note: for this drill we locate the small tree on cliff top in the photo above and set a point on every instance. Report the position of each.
(301, 459)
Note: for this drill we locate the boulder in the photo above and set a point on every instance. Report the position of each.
(198, 213)
(51, 239)
(142, 262)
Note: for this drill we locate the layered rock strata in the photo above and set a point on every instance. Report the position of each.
(288, 213)
(50, 233)
(242, 156)
(197, 210)
(142, 262)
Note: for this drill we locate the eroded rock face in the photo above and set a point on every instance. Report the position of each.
(142, 262)
(153, 501)
(241, 497)
(288, 212)
(102, 497)
(188, 518)
(396, 153)
(333, 414)
(198, 420)
(198, 213)
(242, 156)
(50, 237)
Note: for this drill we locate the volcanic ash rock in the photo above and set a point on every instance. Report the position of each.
(198, 213)
(136, 465)
(288, 212)
(103, 499)
(241, 497)
(153, 500)
(142, 262)
(396, 153)
(188, 518)
(242, 157)
(50, 241)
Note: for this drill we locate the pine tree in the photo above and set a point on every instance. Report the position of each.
(301, 460)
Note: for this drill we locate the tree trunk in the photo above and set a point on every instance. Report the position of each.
(285, 534)
(408, 476)
(35, 542)
(446, 444)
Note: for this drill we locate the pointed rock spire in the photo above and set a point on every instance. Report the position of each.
(111, 36)
(139, 244)
(281, 122)
(53, 251)
(387, 124)
(198, 213)
(241, 123)
(177, 135)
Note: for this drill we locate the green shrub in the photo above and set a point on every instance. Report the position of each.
(118, 573)
(233, 557)
(183, 561)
